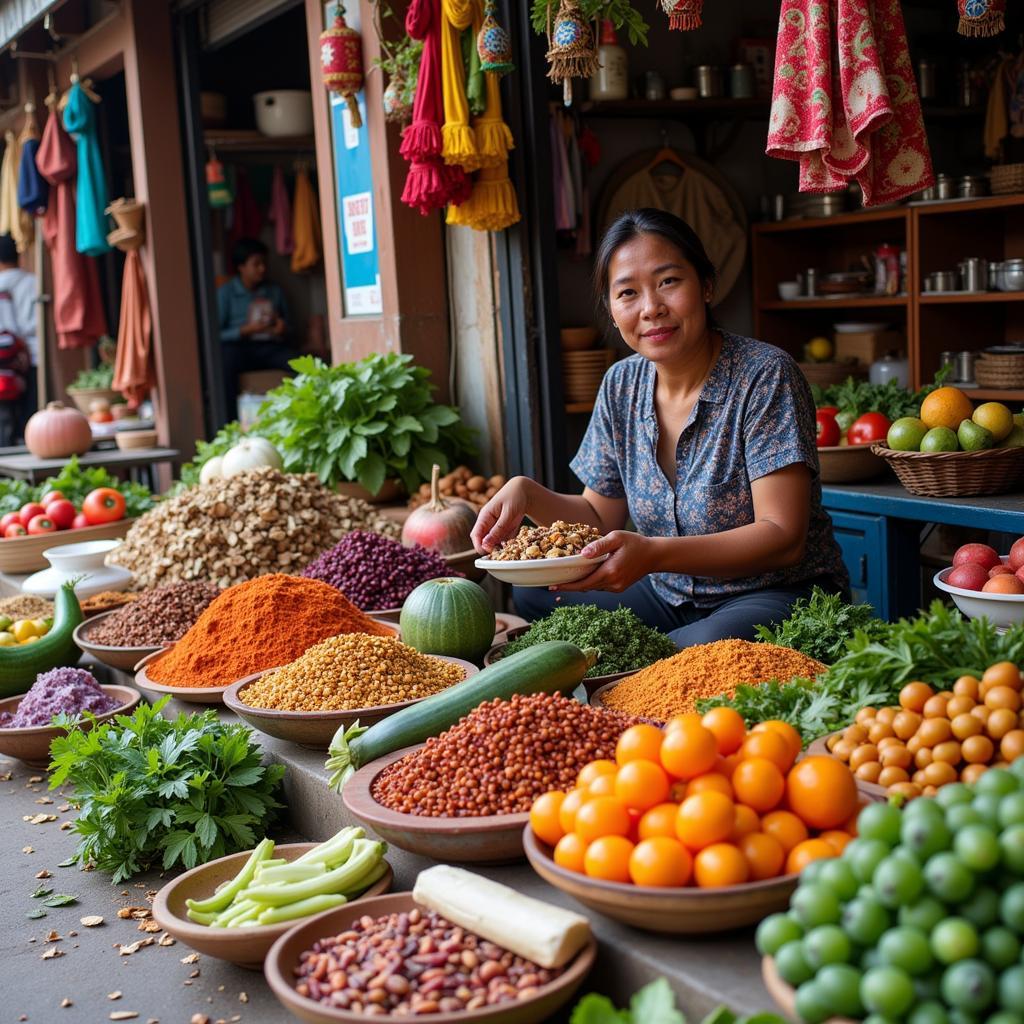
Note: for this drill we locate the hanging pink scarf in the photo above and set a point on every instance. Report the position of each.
(280, 214)
(845, 102)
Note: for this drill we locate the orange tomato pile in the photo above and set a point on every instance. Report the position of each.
(701, 802)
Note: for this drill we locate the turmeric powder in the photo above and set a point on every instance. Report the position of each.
(673, 685)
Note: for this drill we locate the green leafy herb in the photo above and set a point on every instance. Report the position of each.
(70, 862)
(60, 899)
(855, 397)
(621, 13)
(75, 481)
(101, 376)
(227, 437)
(653, 1004)
(821, 625)
(34, 915)
(153, 791)
(41, 892)
(14, 494)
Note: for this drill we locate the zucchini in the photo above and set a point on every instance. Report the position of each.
(20, 665)
(554, 666)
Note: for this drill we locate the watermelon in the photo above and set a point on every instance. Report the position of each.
(450, 616)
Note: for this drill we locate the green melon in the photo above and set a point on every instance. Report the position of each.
(450, 616)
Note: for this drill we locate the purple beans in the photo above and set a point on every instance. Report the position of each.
(374, 572)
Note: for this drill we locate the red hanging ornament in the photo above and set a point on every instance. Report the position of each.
(341, 60)
(683, 15)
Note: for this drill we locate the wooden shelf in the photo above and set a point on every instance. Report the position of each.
(940, 299)
(574, 408)
(684, 109)
(996, 394)
(930, 209)
(245, 141)
(838, 220)
(840, 302)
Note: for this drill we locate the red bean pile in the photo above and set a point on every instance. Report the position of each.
(414, 964)
(500, 757)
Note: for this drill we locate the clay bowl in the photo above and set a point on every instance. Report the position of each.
(496, 839)
(578, 339)
(32, 745)
(123, 658)
(597, 697)
(314, 729)
(189, 694)
(785, 995)
(284, 956)
(389, 616)
(688, 911)
(246, 947)
(591, 684)
(871, 790)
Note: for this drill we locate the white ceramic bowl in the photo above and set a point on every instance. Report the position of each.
(999, 609)
(540, 572)
(789, 290)
(80, 557)
(84, 560)
(284, 112)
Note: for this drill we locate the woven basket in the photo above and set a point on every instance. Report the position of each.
(827, 374)
(996, 377)
(956, 474)
(1007, 178)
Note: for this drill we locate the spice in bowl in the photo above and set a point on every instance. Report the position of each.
(674, 685)
(344, 673)
(500, 757)
(25, 606)
(257, 625)
(162, 615)
(68, 690)
(107, 601)
(559, 540)
(375, 572)
(625, 643)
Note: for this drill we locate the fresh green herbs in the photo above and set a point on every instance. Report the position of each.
(101, 376)
(621, 13)
(854, 397)
(819, 626)
(75, 481)
(227, 437)
(153, 791)
(625, 643)
(60, 899)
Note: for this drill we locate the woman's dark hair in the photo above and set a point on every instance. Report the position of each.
(649, 221)
(245, 248)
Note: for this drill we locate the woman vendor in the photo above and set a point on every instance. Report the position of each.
(704, 439)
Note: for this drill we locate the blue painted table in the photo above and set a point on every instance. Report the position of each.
(878, 526)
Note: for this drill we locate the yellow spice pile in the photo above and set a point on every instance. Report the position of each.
(352, 671)
(673, 685)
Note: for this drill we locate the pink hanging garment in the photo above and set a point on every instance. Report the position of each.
(845, 103)
(280, 214)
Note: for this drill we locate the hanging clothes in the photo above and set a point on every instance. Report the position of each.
(997, 120)
(78, 316)
(280, 214)
(134, 375)
(458, 143)
(246, 219)
(13, 220)
(33, 188)
(91, 224)
(308, 249)
(845, 102)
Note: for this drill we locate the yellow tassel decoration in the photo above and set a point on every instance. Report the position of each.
(459, 142)
(492, 206)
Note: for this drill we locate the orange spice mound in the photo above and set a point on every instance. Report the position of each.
(673, 685)
(263, 623)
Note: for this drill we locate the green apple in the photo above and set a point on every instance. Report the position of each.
(1015, 438)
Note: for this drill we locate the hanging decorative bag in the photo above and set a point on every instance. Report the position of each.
(396, 109)
(341, 61)
(572, 52)
(683, 15)
(981, 17)
(217, 191)
(494, 44)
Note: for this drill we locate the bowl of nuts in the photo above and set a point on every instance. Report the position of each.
(544, 556)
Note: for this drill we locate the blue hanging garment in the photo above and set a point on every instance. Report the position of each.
(91, 224)
(33, 188)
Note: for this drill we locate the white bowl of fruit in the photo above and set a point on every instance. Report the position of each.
(985, 583)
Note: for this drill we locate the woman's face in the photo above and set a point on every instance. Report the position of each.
(656, 299)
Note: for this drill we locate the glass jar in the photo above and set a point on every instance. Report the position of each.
(611, 79)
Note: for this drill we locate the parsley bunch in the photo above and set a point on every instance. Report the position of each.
(154, 791)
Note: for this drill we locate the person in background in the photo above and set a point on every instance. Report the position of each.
(18, 296)
(253, 318)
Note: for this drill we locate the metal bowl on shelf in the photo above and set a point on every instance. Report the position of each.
(1011, 276)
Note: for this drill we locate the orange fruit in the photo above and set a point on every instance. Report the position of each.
(641, 784)
(660, 861)
(786, 827)
(914, 696)
(728, 727)
(836, 838)
(789, 734)
(607, 858)
(689, 750)
(746, 822)
(638, 742)
(603, 785)
(677, 720)
(658, 821)
(758, 782)
(1003, 673)
(821, 791)
(712, 780)
(573, 801)
(569, 852)
(602, 816)
(719, 865)
(946, 407)
(771, 746)
(810, 849)
(544, 817)
(704, 819)
(727, 765)
(764, 855)
(591, 771)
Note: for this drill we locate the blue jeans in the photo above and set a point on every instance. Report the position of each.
(686, 624)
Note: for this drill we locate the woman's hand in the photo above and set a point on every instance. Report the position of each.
(500, 518)
(632, 558)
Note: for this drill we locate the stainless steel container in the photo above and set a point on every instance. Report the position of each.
(974, 274)
(995, 273)
(947, 359)
(971, 186)
(741, 82)
(778, 206)
(708, 79)
(945, 186)
(654, 86)
(809, 279)
(946, 281)
(965, 367)
(927, 79)
(1013, 275)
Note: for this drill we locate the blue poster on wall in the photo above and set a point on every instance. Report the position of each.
(353, 177)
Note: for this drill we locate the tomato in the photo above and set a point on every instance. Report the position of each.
(52, 496)
(42, 524)
(828, 429)
(79, 522)
(104, 505)
(868, 429)
(832, 410)
(8, 519)
(29, 512)
(15, 530)
(62, 512)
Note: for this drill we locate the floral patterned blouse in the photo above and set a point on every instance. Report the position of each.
(754, 416)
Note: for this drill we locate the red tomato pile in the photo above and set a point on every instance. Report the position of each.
(54, 512)
(870, 428)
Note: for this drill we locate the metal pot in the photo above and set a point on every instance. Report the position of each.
(946, 281)
(945, 186)
(1013, 276)
(971, 186)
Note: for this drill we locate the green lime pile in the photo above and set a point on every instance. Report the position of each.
(921, 920)
(991, 425)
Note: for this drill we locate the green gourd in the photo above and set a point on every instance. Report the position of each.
(450, 616)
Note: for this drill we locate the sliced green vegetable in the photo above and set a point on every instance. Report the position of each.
(223, 896)
(301, 908)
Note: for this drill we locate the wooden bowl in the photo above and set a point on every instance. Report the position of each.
(597, 699)
(578, 339)
(785, 995)
(871, 790)
(129, 439)
(495, 839)
(32, 744)
(189, 694)
(849, 464)
(284, 956)
(684, 911)
(25, 554)
(591, 684)
(246, 947)
(314, 729)
(123, 658)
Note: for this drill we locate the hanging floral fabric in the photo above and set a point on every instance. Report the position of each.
(981, 17)
(572, 53)
(280, 214)
(78, 315)
(308, 249)
(684, 15)
(845, 103)
(494, 44)
(91, 224)
(458, 141)
(134, 376)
